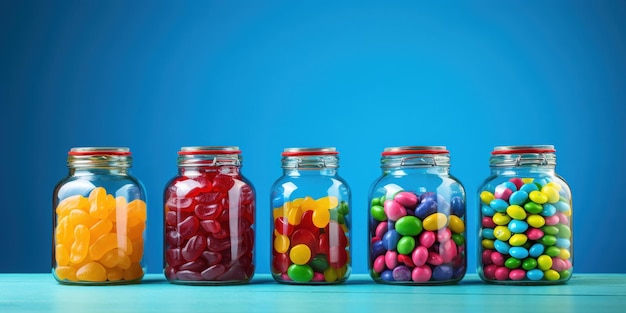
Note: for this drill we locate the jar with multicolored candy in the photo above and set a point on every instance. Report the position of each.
(99, 219)
(209, 219)
(525, 219)
(417, 211)
(310, 223)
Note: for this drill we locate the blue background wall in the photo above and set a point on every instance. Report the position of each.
(267, 75)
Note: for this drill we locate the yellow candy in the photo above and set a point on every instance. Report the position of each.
(136, 232)
(110, 259)
(294, 216)
(328, 202)
(536, 220)
(97, 203)
(551, 275)
(565, 254)
(80, 247)
(528, 180)
(330, 275)
(501, 218)
(538, 197)
(66, 273)
(278, 212)
(63, 233)
(341, 272)
(134, 271)
(487, 243)
(99, 229)
(281, 243)
(502, 233)
(486, 197)
(551, 192)
(555, 185)
(62, 255)
(308, 204)
(518, 240)
(435, 221)
(115, 273)
(137, 212)
(137, 254)
(300, 254)
(108, 242)
(92, 271)
(321, 217)
(516, 212)
(71, 203)
(456, 224)
(80, 217)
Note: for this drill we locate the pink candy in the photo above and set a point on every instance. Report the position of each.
(394, 210)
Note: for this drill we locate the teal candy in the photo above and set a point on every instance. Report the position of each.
(529, 187)
(499, 205)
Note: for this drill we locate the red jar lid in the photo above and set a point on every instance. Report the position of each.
(523, 149)
(195, 150)
(85, 151)
(414, 150)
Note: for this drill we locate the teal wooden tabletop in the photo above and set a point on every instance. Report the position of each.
(583, 293)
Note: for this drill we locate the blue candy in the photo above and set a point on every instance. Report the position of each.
(536, 250)
(487, 233)
(518, 252)
(562, 206)
(534, 274)
(426, 208)
(528, 188)
(390, 239)
(487, 210)
(499, 205)
(518, 198)
(508, 185)
(548, 210)
(458, 206)
(378, 248)
(386, 275)
(563, 243)
(501, 246)
(443, 272)
(518, 226)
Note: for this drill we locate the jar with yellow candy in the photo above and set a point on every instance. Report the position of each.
(310, 220)
(99, 219)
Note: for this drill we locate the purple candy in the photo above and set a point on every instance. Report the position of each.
(442, 272)
(458, 206)
(426, 208)
(401, 273)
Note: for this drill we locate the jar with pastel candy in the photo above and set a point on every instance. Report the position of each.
(209, 219)
(310, 220)
(417, 233)
(99, 219)
(525, 216)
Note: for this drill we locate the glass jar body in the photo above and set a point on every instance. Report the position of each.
(209, 226)
(416, 229)
(310, 227)
(99, 227)
(525, 226)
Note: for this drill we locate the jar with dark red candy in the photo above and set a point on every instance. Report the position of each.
(417, 232)
(310, 219)
(209, 219)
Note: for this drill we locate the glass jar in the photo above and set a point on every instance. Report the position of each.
(417, 230)
(310, 238)
(99, 220)
(209, 219)
(525, 219)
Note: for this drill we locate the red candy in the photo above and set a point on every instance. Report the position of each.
(209, 234)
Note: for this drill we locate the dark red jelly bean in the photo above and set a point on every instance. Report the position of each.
(303, 236)
(337, 257)
(210, 197)
(195, 266)
(280, 263)
(188, 227)
(212, 226)
(217, 245)
(212, 272)
(188, 275)
(282, 226)
(182, 204)
(174, 257)
(212, 258)
(194, 247)
(223, 183)
(208, 211)
(173, 238)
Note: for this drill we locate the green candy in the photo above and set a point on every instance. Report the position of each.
(378, 213)
(512, 263)
(375, 201)
(548, 240)
(344, 208)
(409, 226)
(341, 219)
(550, 230)
(553, 251)
(458, 239)
(529, 264)
(319, 263)
(564, 231)
(300, 273)
(565, 274)
(532, 207)
(406, 245)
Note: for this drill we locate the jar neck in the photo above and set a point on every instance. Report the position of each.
(501, 164)
(310, 165)
(416, 163)
(89, 161)
(200, 170)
